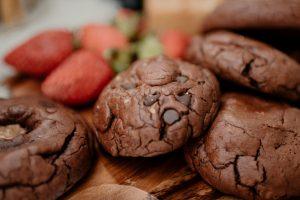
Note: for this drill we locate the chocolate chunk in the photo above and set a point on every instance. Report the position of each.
(182, 79)
(128, 86)
(184, 98)
(171, 116)
(151, 99)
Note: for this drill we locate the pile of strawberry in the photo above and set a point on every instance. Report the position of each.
(78, 65)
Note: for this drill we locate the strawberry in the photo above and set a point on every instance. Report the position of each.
(174, 43)
(39, 55)
(98, 38)
(79, 79)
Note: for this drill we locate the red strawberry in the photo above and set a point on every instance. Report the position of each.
(98, 38)
(174, 43)
(42, 53)
(79, 79)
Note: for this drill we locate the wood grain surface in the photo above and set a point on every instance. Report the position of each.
(166, 177)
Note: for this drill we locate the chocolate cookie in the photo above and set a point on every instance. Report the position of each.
(113, 192)
(252, 149)
(265, 14)
(44, 148)
(247, 62)
(275, 22)
(155, 107)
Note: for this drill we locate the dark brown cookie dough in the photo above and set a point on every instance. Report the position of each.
(252, 149)
(113, 192)
(265, 14)
(155, 107)
(247, 62)
(44, 148)
(275, 22)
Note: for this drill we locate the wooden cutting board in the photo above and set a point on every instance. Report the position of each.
(166, 177)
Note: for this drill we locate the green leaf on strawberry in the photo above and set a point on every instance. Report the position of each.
(149, 46)
(119, 59)
(128, 22)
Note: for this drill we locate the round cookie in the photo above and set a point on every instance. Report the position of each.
(44, 148)
(247, 62)
(113, 192)
(252, 149)
(276, 22)
(154, 107)
(264, 14)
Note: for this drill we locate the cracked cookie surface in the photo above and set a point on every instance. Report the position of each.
(247, 62)
(44, 148)
(265, 14)
(252, 149)
(154, 107)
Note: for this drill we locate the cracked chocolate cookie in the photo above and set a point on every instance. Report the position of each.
(247, 62)
(275, 22)
(44, 148)
(265, 14)
(252, 149)
(113, 192)
(154, 107)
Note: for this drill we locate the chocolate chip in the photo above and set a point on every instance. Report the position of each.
(184, 98)
(182, 79)
(171, 116)
(128, 86)
(151, 99)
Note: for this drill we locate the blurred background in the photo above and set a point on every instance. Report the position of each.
(20, 19)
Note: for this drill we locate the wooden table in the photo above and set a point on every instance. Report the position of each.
(166, 177)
